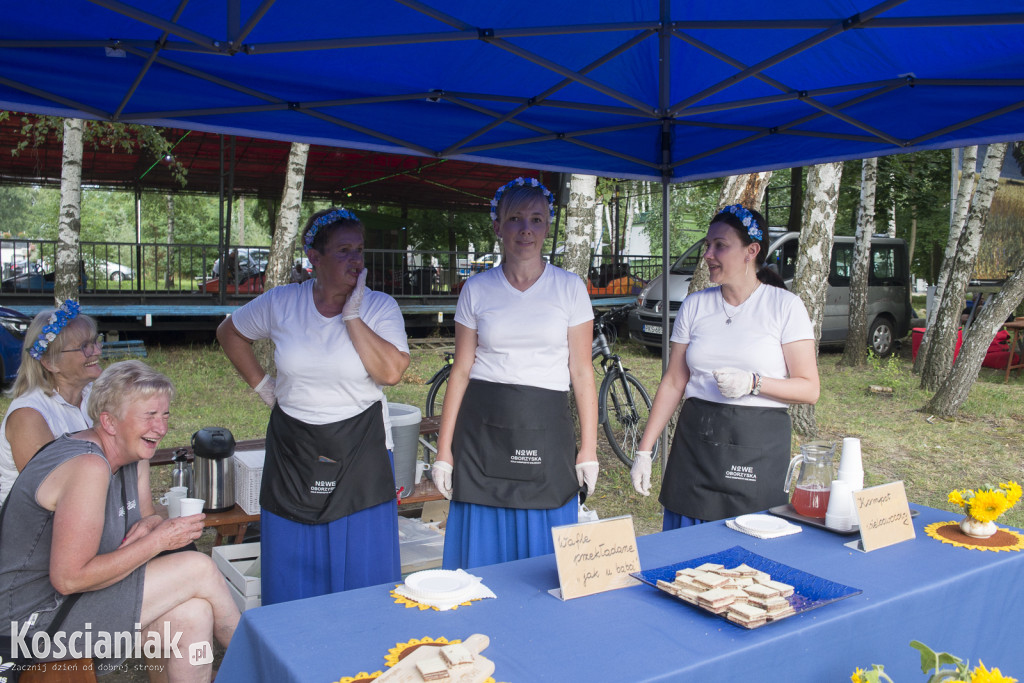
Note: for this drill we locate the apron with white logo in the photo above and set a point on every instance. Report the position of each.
(319, 473)
(726, 460)
(514, 447)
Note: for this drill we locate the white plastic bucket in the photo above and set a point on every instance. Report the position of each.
(405, 432)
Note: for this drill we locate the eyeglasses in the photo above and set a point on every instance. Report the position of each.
(89, 348)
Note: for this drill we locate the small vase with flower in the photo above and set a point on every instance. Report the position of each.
(984, 505)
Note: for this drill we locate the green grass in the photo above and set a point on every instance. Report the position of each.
(930, 455)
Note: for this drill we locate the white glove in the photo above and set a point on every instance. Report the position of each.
(355, 298)
(586, 474)
(734, 383)
(640, 473)
(441, 473)
(265, 390)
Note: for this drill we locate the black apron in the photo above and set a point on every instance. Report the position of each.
(514, 447)
(727, 460)
(319, 473)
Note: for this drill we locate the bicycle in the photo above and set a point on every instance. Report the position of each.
(623, 402)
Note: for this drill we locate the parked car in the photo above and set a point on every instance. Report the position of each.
(38, 283)
(889, 309)
(13, 325)
(250, 261)
(100, 269)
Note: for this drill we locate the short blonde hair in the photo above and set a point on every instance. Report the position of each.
(519, 196)
(32, 374)
(124, 382)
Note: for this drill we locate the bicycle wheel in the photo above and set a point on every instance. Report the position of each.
(438, 385)
(625, 406)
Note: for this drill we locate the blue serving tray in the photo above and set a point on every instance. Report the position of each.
(809, 591)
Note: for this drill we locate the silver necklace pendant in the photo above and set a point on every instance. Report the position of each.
(728, 320)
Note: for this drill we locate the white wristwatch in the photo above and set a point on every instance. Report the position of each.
(757, 385)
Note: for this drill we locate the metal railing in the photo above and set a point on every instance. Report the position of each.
(125, 267)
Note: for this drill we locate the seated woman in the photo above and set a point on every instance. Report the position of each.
(52, 387)
(78, 521)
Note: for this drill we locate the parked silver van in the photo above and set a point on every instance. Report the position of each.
(889, 309)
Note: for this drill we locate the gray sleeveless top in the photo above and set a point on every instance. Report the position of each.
(25, 587)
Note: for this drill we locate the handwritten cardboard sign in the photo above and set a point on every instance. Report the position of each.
(884, 515)
(594, 557)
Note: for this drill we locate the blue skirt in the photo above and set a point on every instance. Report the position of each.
(305, 560)
(674, 520)
(478, 535)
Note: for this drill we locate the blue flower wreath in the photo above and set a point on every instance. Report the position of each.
(747, 219)
(520, 182)
(67, 312)
(329, 218)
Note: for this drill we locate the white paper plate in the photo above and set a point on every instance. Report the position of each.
(439, 583)
(765, 524)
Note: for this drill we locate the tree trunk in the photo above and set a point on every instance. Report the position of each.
(811, 280)
(939, 360)
(169, 277)
(68, 266)
(580, 217)
(957, 385)
(282, 249)
(912, 242)
(857, 331)
(241, 220)
(956, 228)
(746, 189)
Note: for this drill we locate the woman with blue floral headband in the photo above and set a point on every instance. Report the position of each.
(329, 518)
(59, 361)
(741, 352)
(507, 455)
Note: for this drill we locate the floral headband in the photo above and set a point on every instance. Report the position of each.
(521, 182)
(67, 312)
(747, 219)
(329, 218)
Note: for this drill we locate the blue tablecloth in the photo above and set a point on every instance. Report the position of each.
(955, 599)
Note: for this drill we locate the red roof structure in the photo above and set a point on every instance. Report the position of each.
(339, 175)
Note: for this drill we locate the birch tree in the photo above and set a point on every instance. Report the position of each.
(957, 221)
(282, 248)
(580, 217)
(955, 388)
(746, 189)
(939, 358)
(857, 330)
(810, 283)
(67, 268)
(169, 275)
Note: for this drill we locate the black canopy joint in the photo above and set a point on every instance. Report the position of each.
(851, 21)
(294, 106)
(484, 33)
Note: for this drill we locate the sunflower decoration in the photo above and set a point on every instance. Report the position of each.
(938, 665)
(987, 503)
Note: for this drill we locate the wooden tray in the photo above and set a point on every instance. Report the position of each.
(405, 671)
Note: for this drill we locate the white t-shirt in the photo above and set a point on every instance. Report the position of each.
(753, 340)
(320, 378)
(60, 416)
(523, 337)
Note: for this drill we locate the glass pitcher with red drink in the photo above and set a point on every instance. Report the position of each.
(814, 481)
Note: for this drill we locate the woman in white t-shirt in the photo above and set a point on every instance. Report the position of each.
(507, 456)
(740, 353)
(329, 518)
(59, 361)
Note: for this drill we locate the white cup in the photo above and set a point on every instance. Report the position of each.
(421, 467)
(172, 500)
(851, 469)
(191, 506)
(841, 514)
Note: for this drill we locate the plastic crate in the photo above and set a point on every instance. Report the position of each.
(248, 477)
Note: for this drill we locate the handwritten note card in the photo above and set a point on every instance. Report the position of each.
(594, 557)
(884, 515)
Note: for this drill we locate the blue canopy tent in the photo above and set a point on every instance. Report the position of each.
(666, 91)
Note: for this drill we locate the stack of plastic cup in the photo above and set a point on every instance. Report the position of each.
(841, 514)
(851, 470)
